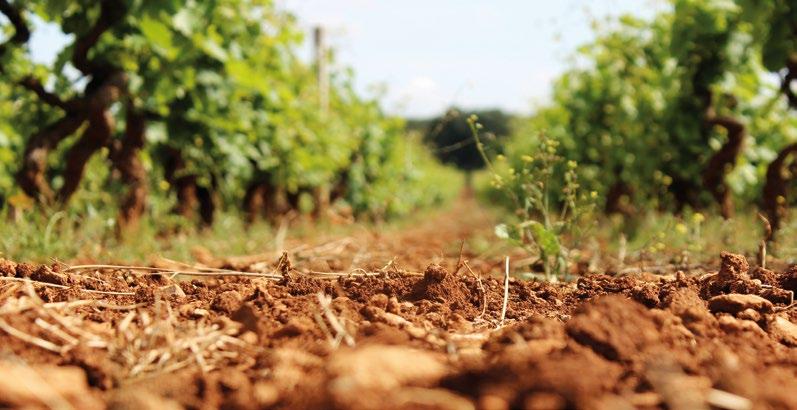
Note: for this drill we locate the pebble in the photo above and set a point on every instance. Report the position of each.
(735, 303)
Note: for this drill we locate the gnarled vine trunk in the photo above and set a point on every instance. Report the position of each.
(21, 30)
(255, 199)
(207, 204)
(184, 186)
(774, 195)
(97, 135)
(31, 176)
(786, 80)
(126, 159)
(105, 87)
(723, 161)
(190, 195)
(685, 193)
(272, 202)
(340, 188)
(321, 200)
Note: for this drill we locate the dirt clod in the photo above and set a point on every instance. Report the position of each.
(7, 268)
(784, 330)
(379, 300)
(361, 378)
(434, 273)
(614, 327)
(45, 274)
(227, 302)
(735, 303)
(404, 340)
(733, 267)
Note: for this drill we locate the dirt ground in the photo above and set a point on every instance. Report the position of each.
(397, 320)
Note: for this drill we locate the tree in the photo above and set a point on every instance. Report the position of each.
(774, 28)
(453, 141)
(675, 111)
(606, 113)
(707, 46)
(211, 94)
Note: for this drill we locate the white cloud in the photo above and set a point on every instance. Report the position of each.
(418, 97)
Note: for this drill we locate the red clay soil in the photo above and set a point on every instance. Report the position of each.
(397, 340)
(422, 331)
(423, 239)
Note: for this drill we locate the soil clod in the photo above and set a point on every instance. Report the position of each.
(735, 303)
(403, 340)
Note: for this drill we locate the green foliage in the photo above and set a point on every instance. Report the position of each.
(220, 83)
(774, 23)
(634, 110)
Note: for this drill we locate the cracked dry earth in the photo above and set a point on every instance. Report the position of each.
(124, 339)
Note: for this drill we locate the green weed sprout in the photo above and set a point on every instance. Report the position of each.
(548, 200)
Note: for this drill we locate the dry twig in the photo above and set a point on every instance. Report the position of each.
(506, 292)
(44, 344)
(55, 285)
(325, 302)
(173, 272)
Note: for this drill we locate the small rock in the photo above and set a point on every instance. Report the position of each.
(730, 324)
(249, 337)
(45, 274)
(733, 266)
(340, 303)
(788, 280)
(434, 273)
(379, 300)
(735, 303)
(749, 314)
(777, 295)
(371, 312)
(542, 400)
(765, 276)
(247, 316)
(24, 270)
(200, 312)
(784, 330)
(290, 367)
(227, 302)
(266, 394)
(493, 402)
(7, 268)
(172, 290)
(393, 305)
(382, 367)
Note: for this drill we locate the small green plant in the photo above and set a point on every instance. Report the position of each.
(548, 200)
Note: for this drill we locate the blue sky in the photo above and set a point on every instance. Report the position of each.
(473, 53)
(428, 55)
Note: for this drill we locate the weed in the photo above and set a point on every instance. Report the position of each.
(548, 200)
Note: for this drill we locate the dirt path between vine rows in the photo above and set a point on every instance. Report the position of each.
(436, 237)
(335, 324)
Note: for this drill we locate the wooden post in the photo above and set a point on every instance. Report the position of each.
(321, 194)
(322, 70)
